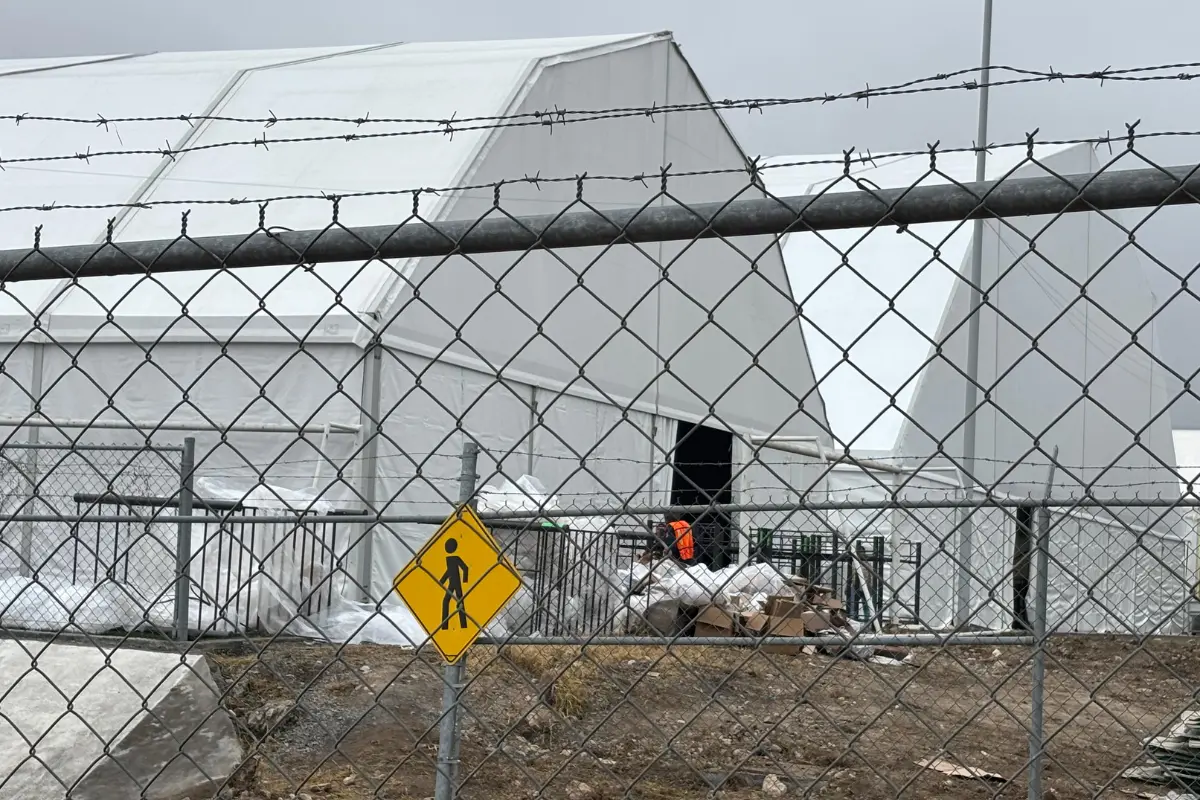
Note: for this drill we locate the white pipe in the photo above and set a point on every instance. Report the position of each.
(316, 481)
(966, 542)
(832, 458)
(115, 424)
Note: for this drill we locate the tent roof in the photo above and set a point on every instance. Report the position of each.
(847, 309)
(419, 81)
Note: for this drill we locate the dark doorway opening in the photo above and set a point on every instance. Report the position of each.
(703, 475)
(1022, 551)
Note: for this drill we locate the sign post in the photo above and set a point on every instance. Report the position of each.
(454, 586)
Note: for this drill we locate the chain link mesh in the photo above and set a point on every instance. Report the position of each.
(859, 612)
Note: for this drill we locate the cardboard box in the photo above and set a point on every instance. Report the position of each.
(785, 606)
(817, 621)
(767, 626)
(714, 621)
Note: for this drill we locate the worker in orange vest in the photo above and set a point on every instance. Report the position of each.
(676, 534)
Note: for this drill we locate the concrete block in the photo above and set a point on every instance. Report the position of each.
(156, 714)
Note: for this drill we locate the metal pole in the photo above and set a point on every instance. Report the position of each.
(147, 427)
(966, 535)
(1041, 588)
(894, 578)
(447, 760)
(183, 540)
(1025, 197)
(31, 465)
(372, 425)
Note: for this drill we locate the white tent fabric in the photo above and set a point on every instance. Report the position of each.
(847, 307)
(288, 346)
(1036, 289)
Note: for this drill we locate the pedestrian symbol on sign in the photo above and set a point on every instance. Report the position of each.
(452, 579)
(461, 562)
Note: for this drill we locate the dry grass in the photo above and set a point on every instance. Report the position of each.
(575, 680)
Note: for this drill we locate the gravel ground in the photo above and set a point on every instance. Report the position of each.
(643, 722)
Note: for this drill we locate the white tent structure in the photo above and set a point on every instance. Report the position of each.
(884, 316)
(533, 370)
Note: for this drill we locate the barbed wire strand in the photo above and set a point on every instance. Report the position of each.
(557, 115)
(754, 169)
(450, 126)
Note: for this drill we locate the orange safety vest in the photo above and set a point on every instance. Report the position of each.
(684, 542)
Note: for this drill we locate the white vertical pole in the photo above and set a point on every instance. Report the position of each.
(966, 544)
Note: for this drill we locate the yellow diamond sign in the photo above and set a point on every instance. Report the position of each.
(457, 583)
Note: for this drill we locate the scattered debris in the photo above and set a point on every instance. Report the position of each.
(1173, 756)
(580, 791)
(957, 770)
(806, 610)
(270, 718)
(1146, 774)
(884, 661)
(772, 786)
(520, 749)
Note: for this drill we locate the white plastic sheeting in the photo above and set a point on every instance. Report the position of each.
(244, 575)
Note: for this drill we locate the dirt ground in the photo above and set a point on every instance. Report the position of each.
(659, 725)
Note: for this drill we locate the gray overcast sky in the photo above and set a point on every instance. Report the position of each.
(761, 48)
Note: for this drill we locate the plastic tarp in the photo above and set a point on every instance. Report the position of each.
(290, 579)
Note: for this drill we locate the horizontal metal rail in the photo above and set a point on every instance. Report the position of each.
(146, 501)
(866, 639)
(1109, 190)
(81, 446)
(534, 521)
(151, 426)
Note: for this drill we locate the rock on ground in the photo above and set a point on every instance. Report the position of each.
(157, 713)
(580, 791)
(773, 787)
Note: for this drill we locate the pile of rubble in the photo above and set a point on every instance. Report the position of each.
(746, 603)
(803, 611)
(1175, 755)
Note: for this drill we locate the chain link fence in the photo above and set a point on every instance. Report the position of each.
(857, 610)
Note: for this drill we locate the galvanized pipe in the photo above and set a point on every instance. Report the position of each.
(1110, 190)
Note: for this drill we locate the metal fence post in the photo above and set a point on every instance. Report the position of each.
(31, 465)
(448, 740)
(183, 539)
(1041, 590)
(372, 429)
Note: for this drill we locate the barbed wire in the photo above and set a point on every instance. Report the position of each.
(449, 126)
(555, 116)
(754, 170)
